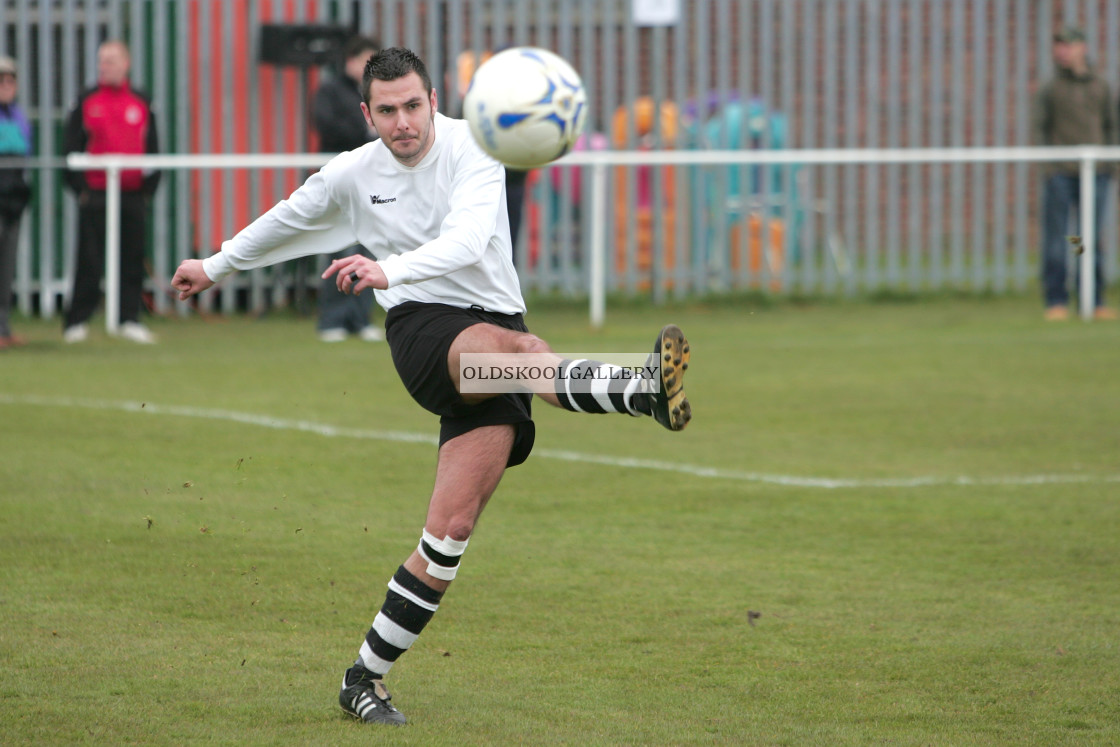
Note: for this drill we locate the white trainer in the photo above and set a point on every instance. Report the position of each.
(372, 334)
(336, 334)
(138, 333)
(75, 333)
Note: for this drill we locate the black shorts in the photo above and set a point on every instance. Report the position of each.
(420, 336)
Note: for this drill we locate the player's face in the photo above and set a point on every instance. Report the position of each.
(402, 112)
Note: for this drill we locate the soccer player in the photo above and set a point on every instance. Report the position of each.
(430, 207)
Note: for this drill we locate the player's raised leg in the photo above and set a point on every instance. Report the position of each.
(469, 469)
(587, 385)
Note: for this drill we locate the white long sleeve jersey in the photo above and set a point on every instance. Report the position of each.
(439, 230)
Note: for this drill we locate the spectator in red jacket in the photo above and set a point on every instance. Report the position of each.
(110, 117)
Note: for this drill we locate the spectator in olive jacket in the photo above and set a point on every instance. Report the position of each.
(1075, 107)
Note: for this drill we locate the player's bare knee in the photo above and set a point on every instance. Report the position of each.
(530, 343)
(460, 531)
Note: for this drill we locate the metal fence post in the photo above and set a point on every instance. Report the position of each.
(1088, 236)
(112, 248)
(598, 279)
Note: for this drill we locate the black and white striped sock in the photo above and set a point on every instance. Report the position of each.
(591, 386)
(409, 605)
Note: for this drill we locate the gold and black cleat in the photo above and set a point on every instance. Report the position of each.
(669, 405)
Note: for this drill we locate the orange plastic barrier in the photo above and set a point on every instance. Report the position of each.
(775, 247)
(640, 180)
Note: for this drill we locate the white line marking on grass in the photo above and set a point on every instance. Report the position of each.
(332, 431)
(211, 414)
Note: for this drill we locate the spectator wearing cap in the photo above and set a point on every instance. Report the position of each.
(1074, 107)
(15, 141)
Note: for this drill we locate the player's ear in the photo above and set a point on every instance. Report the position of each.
(368, 116)
(434, 101)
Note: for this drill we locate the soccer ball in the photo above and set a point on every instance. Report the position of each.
(526, 107)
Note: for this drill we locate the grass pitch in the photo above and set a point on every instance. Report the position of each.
(887, 523)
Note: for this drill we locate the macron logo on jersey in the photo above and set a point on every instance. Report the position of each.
(378, 200)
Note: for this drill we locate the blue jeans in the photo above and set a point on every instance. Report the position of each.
(1061, 193)
(339, 310)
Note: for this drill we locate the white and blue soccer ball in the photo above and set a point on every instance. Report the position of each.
(526, 106)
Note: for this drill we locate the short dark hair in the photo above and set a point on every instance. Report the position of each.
(392, 64)
(355, 45)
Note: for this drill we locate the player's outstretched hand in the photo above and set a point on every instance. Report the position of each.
(190, 279)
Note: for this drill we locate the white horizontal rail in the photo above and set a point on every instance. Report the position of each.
(86, 162)
(33, 162)
(830, 156)
(1086, 156)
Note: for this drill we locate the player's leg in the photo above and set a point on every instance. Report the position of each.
(586, 385)
(502, 347)
(469, 469)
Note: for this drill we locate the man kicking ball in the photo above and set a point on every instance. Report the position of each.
(430, 206)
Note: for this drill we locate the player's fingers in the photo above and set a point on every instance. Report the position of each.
(345, 280)
(332, 268)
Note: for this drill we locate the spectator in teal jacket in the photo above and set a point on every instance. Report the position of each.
(15, 141)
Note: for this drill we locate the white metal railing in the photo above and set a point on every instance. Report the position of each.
(599, 162)
(114, 164)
